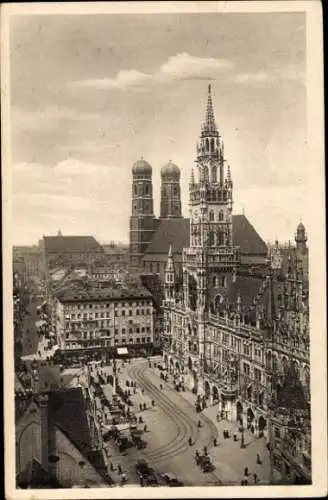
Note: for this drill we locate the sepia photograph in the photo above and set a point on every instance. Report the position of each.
(164, 250)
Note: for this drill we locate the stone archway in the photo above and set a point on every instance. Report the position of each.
(215, 394)
(249, 393)
(262, 423)
(284, 365)
(194, 382)
(250, 418)
(239, 411)
(207, 389)
(171, 365)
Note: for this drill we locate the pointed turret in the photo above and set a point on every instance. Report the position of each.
(170, 276)
(270, 306)
(209, 126)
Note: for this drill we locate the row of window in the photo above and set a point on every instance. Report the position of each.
(138, 312)
(123, 331)
(101, 343)
(107, 305)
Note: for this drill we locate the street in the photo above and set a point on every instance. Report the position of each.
(171, 422)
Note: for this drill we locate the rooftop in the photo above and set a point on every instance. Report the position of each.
(176, 231)
(71, 244)
(89, 291)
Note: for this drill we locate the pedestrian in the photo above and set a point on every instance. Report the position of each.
(190, 441)
(141, 480)
(258, 458)
(153, 402)
(140, 407)
(144, 406)
(161, 386)
(235, 437)
(199, 424)
(119, 469)
(111, 466)
(205, 450)
(246, 471)
(255, 477)
(215, 442)
(145, 428)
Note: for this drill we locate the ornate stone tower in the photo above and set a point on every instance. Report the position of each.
(211, 260)
(170, 191)
(301, 238)
(142, 220)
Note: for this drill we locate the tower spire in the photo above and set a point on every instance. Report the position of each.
(209, 124)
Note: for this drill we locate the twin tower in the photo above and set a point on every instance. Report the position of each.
(143, 223)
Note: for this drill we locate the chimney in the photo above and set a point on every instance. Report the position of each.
(43, 399)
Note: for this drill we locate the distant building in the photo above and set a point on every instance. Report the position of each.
(65, 251)
(89, 317)
(32, 258)
(116, 255)
(299, 252)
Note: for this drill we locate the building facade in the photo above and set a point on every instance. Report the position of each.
(234, 341)
(88, 317)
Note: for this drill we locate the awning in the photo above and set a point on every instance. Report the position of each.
(122, 350)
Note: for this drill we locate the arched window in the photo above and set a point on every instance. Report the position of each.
(211, 238)
(220, 238)
(207, 145)
(146, 189)
(221, 215)
(211, 216)
(135, 189)
(212, 145)
(214, 281)
(223, 281)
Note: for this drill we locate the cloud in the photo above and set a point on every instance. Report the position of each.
(179, 67)
(185, 66)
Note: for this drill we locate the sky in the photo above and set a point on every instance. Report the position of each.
(91, 94)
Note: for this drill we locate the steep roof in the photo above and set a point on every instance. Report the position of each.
(71, 244)
(176, 231)
(67, 410)
(246, 237)
(245, 286)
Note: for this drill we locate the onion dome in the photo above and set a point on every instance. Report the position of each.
(170, 171)
(142, 167)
